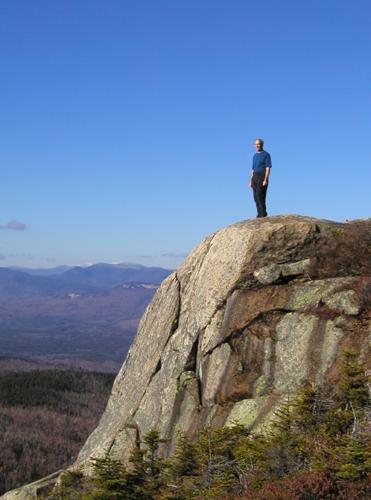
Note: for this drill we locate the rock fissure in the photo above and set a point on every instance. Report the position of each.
(131, 425)
(191, 362)
(239, 331)
(175, 323)
(157, 370)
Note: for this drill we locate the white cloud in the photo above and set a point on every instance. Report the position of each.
(15, 225)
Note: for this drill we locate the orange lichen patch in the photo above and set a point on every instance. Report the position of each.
(245, 305)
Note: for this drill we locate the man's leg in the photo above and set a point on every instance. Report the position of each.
(262, 197)
(255, 182)
(259, 193)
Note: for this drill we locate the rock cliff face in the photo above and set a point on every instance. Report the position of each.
(251, 314)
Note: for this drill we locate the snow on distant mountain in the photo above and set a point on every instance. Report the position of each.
(41, 272)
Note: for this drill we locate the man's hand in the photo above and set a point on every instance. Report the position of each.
(265, 182)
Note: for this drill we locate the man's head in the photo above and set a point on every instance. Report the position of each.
(259, 144)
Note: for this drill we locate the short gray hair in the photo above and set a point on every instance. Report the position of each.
(259, 140)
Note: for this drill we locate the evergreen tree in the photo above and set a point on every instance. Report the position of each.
(355, 459)
(321, 435)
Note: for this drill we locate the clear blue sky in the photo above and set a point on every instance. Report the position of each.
(127, 126)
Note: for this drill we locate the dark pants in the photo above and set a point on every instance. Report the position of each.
(260, 193)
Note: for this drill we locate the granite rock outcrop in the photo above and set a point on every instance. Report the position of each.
(249, 316)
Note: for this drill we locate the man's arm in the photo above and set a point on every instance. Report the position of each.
(252, 173)
(268, 165)
(266, 177)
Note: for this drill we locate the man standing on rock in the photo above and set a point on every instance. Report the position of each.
(261, 166)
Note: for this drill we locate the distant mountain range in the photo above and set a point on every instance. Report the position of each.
(62, 280)
(42, 272)
(77, 316)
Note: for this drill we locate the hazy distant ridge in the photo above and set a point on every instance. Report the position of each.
(22, 282)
